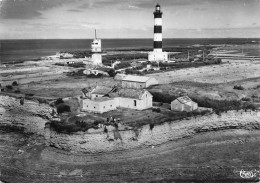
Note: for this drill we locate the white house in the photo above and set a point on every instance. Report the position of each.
(132, 81)
(98, 105)
(105, 99)
(138, 99)
(184, 104)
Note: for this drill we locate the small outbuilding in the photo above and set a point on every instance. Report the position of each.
(184, 104)
(132, 81)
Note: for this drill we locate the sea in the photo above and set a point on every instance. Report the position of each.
(13, 51)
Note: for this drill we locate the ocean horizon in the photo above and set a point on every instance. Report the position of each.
(18, 50)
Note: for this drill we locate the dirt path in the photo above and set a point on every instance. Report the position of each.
(206, 156)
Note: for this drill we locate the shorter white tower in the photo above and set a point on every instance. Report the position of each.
(96, 56)
(96, 44)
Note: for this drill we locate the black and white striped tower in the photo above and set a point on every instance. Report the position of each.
(157, 40)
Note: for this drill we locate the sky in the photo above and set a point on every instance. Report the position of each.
(77, 19)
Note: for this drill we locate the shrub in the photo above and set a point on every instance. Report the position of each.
(42, 101)
(58, 101)
(77, 65)
(163, 97)
(74, 125)
(9, 87)
(158, 110)
(17, 91)
(131, 71)
(111, 73)
(29, 94)
(122, 65)
(238, 87)
(61, 108)
(96, 122)
(99, 75)
(245, 99)
(248, 105)
(15, 83)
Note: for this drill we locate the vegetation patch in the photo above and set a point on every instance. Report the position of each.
(238, 87)
(74, 124)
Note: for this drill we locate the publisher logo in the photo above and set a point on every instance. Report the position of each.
(248, 174)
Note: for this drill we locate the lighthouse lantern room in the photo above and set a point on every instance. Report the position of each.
(96, 56)
(96, 44)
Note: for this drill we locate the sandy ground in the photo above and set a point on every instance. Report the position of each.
(212, 74)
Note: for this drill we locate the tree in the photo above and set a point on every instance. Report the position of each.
(15, 83)
(111, 73)
(61, 108)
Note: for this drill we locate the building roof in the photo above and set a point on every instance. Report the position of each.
(101, 99)
(133, 78)
(184, 99)
(129, 93)
(119, 92)
(119, 76)
(101, 90)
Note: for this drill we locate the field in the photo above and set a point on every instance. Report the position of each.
(212, 74)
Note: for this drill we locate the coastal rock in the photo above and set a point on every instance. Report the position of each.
(102, 142)
(31, 116)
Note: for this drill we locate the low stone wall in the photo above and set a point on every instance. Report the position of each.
(97, 141)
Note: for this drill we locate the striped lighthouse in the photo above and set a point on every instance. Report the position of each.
(157, 54)
(157, 40)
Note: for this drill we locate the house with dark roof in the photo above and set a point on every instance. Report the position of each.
(132, 81)
(104, 99)
(100, 91)
(184, 104)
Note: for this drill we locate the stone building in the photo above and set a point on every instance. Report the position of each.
(184, 104)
